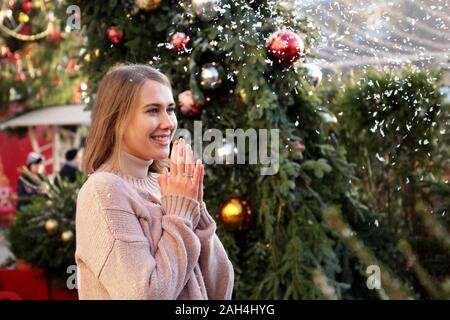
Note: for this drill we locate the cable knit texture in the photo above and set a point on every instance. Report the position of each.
(131, 243)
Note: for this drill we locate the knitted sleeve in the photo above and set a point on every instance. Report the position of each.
(111, 242)
(215, 265)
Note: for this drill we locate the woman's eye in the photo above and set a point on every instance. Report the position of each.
(153, 110)
(170, 110)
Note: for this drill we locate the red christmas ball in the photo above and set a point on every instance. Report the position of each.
(26, 29)
(114, 36)
(55, 35)
(285, 47)
(180, 42)
(27, 6)
(188, 106)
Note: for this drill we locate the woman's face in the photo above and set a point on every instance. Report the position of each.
(153, 123)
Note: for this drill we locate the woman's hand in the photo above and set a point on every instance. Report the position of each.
(189, 158)
(184, 178)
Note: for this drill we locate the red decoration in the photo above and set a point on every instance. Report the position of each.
(31, 285)
(57, 81)
(114, 36)
(27, 6)
(26, 29)
(188, 106)
(285, 47)
(180, 42)
(55, 35)
(71, 66)
(300, 147)
(22, 76)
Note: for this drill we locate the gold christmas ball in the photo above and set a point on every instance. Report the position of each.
(51, 225)
(148, 5)
(243, 96)
(236, 214)
(23, 18)
(66, 235)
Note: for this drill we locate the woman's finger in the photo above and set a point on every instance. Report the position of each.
(196, 174)
(173, 158)
(189, 159)
(180, 156)
(200, 180)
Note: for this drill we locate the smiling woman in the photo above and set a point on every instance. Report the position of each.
(151, 129)
(142, 233)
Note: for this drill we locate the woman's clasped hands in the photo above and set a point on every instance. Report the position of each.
(186, 175)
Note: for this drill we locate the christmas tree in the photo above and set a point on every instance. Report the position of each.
(293, 232)
(38, 59)
(396, 135)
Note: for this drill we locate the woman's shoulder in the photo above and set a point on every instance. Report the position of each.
(110, 190)
(103, 180)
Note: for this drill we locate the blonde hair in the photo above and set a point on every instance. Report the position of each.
(112, 110)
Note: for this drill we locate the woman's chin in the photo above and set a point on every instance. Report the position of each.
(160, 155)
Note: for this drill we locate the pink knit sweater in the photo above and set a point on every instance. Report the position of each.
(133, 244)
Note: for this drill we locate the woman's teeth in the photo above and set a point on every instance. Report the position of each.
(163, 139)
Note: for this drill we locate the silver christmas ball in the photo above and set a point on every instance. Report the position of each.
(210, 76)
(313, 73)
(206, 9)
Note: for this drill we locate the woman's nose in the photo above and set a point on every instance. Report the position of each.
(166, 121)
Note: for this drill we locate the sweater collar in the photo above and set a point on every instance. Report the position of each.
(134, 166)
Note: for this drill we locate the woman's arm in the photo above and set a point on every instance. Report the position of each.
(216, 268)
(111, 242)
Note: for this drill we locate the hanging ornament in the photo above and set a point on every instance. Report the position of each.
(297, 149)
(328, 118)
(188, 106)
(114, 36)
(54, 36)
(243, 96)
(71, 66)
(210, 76)
(5, 52)
(27, 6)
(206, 9)
(313, 73)
(66, 235)
(51, 225)
(23, 18)
(180, 42)
(22, 76)
(25, 30)
(285, 47)
(148, 5)
(236, 214)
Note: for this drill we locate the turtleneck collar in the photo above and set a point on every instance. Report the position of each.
(135, 171)
(134, 166)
